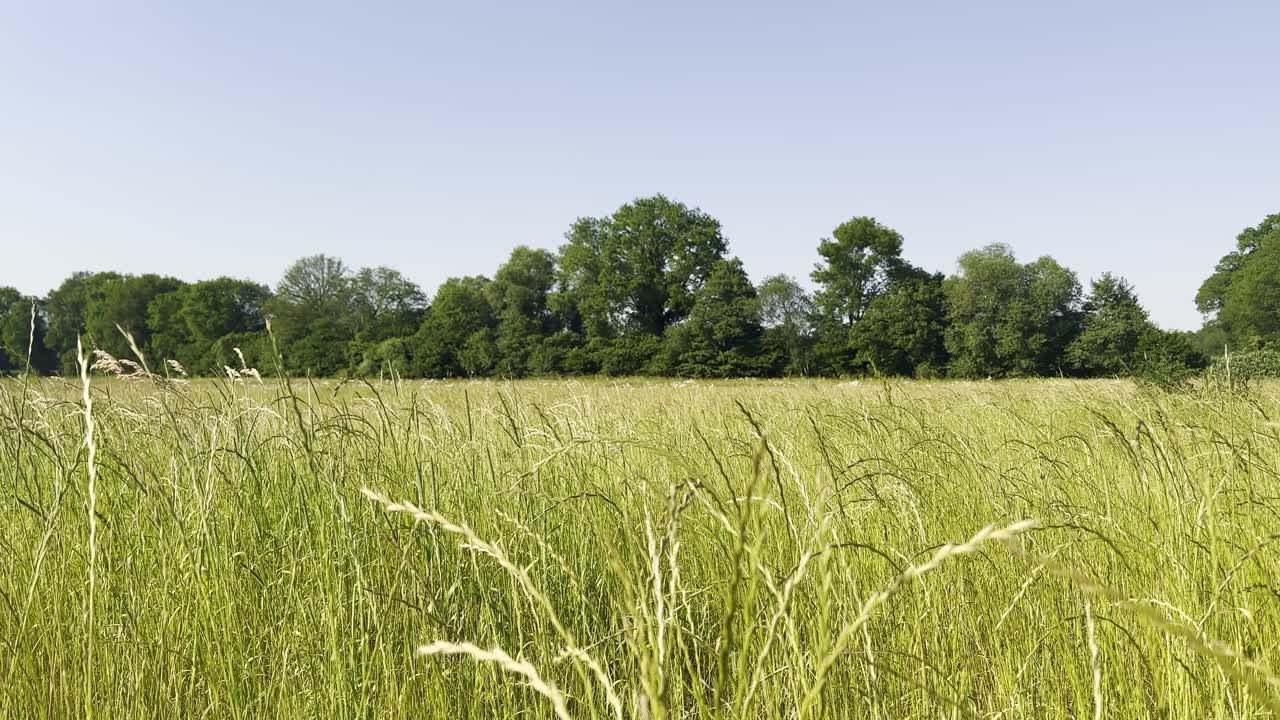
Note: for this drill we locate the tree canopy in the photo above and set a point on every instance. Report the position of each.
(1006, 319)
(1243, 294)
(651, 289)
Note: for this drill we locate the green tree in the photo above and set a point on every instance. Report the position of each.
(721, 336)
(384, 305)
(1055, 313)
(171, 337)
(215, 308)
(637, 270)
(123, 304)
(479, 354)
(22, 335)
(1009, 319)
(191, 324)
(1167, 355)
(1243, 293)
(312, 317)
(901, 331)
(856, 263)
(459, 311)
(1113, 324)
(520, 297)
(787, 313)
(1212, 338)
(389, 357)
(66, 307)
(580, 299)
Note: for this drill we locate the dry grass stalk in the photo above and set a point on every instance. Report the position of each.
(499, 657)
(92, 492)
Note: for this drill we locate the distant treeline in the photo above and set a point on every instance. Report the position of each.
(652, 290)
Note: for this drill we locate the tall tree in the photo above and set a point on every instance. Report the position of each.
(1113, 325)
(721, 336)
(67, 306)
(22, 335)
(580, 298)
(787, 312)
(455, 338)
(657, 253)
(520, 298)
(1055, 313)
(855, 266)
(901, 331)
(385, 304)
(171, 335)
(200, 324)
(1243, 293)
(123, 304)
(856, 263)
(311, 315)
(638, 269)
(315, 280)
(215, 308)
(1009, 319)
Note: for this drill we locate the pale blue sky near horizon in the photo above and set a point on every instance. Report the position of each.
(230, 138)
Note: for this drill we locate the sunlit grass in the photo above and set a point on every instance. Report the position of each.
(642, 549)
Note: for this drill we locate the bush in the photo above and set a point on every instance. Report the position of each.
(630, 354)
(389, 357)
(1167, 358)
(1248, 365)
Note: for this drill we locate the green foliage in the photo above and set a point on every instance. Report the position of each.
(123, 303)
(580, 300)
(320, 351)
(97, 306)
(188, 323)
(721, 336)
(1212, 339)
(1243, 293)
(648, 290)
(632, 353)
(638, 270)
(855, 268)
(460, 316)
(876, 313)
(787, 314)
(1168, 358)
(520, 298)
(1248, 365)
(901, 331)
(1006, 319)
(389, 358)
(23, 335)
(327, 318)
(68, 306)
(563, 353)
(385, 304)
(311, 316)
(1113, 325)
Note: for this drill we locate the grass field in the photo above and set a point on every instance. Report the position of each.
(642, 549)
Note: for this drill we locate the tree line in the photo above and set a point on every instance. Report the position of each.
(653, 290)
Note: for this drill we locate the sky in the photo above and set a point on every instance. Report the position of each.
(231, 138)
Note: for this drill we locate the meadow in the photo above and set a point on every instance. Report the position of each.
(638, 549)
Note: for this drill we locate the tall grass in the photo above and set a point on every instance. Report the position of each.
(643, 549)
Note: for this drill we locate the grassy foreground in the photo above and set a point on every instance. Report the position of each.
(639, 550)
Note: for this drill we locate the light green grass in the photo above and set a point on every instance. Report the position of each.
(654, 549)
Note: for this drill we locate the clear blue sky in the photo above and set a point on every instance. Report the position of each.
(229, 137)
